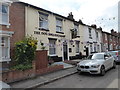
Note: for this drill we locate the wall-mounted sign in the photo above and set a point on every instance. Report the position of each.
(49, 34)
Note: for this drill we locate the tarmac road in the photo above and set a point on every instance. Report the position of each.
(110, 80)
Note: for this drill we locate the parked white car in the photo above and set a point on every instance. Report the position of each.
(97, 63)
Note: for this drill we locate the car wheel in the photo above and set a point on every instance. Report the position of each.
(114, 65)
(102, 71)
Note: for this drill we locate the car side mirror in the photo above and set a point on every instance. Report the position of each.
(106, 57)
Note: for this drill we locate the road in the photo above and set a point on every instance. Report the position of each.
(110, 80)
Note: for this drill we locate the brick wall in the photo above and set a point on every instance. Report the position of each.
(41, 59)
(40, 66)
(16, 75)
(17, 23)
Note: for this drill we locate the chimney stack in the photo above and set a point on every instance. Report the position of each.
(70, 16)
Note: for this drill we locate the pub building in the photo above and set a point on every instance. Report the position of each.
(63, 37)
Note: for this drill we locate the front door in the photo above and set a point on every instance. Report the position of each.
(65, 51)
(87, 51)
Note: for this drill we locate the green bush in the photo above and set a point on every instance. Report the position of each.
(25, 52)
(22, 67)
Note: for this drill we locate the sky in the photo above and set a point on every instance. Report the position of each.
(103, 13)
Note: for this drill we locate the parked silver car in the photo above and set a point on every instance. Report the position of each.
(97, 63)
(116, 55)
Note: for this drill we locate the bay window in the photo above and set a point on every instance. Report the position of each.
(4, 49)
(5, 45)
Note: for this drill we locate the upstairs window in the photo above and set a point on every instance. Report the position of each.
(75, 31)
(105, 36)
(97, 34)
(90, 33)
(4, 13)
(58, 25)
(110, 37)
(43, 21)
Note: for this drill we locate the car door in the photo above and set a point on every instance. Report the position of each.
(107, 61)
(111, 60)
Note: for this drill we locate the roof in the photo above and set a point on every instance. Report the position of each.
(27, 4)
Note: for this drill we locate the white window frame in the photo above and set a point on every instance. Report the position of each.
(98, 48)
(97, 35)
(5, 34)
(59, 24)
(4, 46)
(91, 48)
(3, 14)
(43, 19)
(90, 32)
(52, 46)
(95, 47)
(77, 47)
(105, 36)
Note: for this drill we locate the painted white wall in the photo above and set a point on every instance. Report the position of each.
(94, 38)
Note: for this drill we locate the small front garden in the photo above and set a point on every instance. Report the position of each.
(24, 53)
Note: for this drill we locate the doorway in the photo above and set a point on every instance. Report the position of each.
(65, 51)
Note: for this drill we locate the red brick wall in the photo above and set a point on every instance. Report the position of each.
(17, 22)
(41, 59)
(12, 76)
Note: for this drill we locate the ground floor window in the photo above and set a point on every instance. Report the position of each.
(95, 47)
(111, 47)
(98, 48)
(4, 48)
(52, 47)
(91, 48)
(77, 47)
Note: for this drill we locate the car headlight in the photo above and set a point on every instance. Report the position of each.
(95, 66)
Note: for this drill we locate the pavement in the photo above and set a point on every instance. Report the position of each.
(46, 78)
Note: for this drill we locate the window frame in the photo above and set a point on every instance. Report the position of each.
(90, 33)
(5, 45)
(50, 47)
(4, 14)
(77, 47)
(43, 18)
(59, 26)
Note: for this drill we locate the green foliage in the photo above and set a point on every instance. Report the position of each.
(25, 52)
(22, 67)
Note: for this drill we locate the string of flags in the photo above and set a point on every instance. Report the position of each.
(61, 43)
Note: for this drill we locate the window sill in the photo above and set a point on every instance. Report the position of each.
(5, 24)
(43, 29)
(77, 53)
(78, 36)
(60, 32)
(90, 37)
(53, 55)
(5, 60)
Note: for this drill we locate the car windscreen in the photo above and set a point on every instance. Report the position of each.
(114, 53)
(96, 56)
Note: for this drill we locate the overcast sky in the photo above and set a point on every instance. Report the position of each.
(103, 13)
